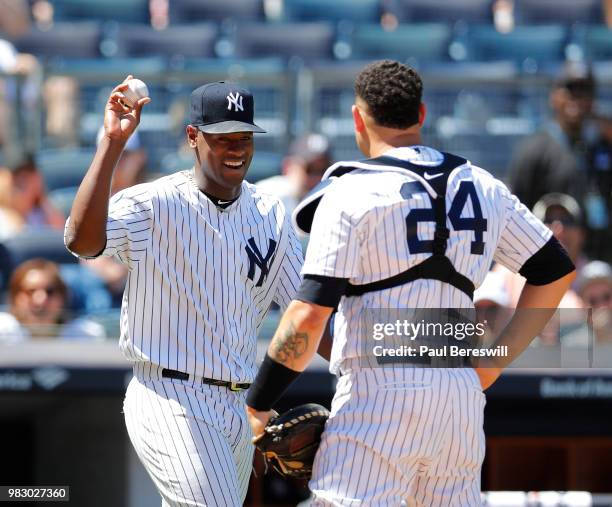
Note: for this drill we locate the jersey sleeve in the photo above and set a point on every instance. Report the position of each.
(290, 279)
(129, 224)
(333, 249)
(522, 235)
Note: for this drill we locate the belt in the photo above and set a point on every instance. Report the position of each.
(179, 375)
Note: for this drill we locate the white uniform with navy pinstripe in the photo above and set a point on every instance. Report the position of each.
(201, 280)
(407, 434)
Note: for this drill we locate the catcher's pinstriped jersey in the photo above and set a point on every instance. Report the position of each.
(409, 434)
(201, 278)
(355, 235)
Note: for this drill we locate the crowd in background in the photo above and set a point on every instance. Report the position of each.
(563, 173)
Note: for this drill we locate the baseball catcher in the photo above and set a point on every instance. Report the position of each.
(290, 441)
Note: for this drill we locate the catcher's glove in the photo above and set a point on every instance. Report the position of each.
(289, 441)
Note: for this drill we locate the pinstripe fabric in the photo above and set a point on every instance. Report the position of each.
(359, 232)
(402, 435)
(406, 436)
(193, 439)
(201, 280)
(189, 303)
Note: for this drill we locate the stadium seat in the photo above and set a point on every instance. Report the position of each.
(126, 11)
(38, 242)
(308, 41)
(63, 168)
(445, 93)
(540, 44)
(108, 70)
(597, 43)
(357, 11)
(193, 41)
(64, 40)
(190, 11)
(557, 11)
(486, 71)
(491, 152)
(424, 11)
(427, 42)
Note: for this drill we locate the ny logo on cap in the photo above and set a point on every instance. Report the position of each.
(236, 100)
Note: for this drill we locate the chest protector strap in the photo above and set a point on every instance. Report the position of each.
(438, 266)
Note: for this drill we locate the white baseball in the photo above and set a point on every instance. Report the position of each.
(135, 91)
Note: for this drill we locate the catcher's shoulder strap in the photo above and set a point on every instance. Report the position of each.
(438, 266)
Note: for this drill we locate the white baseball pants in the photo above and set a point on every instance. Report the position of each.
(405, 436)
(193, 439)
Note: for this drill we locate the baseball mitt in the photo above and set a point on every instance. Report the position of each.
(290, 441)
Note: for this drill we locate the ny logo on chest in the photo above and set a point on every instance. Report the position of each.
(257, 260)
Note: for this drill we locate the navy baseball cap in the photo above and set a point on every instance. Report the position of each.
(222, 108)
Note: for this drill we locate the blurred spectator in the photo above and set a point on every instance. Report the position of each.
(159, 12)
(42, 14)
(571, 154)
(14, 17)
(37, 307)
(595, 289)
(607, 8)
(61, 97)
(10, 221)
(308, 158)
(25, 67)
(23, 199)
(563, 216)
(503, 15)
(492, 305)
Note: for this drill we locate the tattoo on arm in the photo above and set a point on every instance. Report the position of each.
(289, 346)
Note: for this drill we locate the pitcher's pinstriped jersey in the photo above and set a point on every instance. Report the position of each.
(361, 232)
(201, 278)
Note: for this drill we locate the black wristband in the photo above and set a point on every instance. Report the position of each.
(271, 382)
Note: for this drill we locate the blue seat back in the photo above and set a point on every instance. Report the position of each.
(422, 42)
(308, 41)
(357, 11)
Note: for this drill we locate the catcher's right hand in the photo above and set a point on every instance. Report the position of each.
(290, 441)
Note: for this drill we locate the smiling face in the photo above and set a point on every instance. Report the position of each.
(222, 160)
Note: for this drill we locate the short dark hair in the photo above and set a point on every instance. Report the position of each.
(392, 92)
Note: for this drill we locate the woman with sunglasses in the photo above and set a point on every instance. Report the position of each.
(38, 307)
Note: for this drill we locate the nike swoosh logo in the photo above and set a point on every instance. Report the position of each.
(432, 176)
(224, 202)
